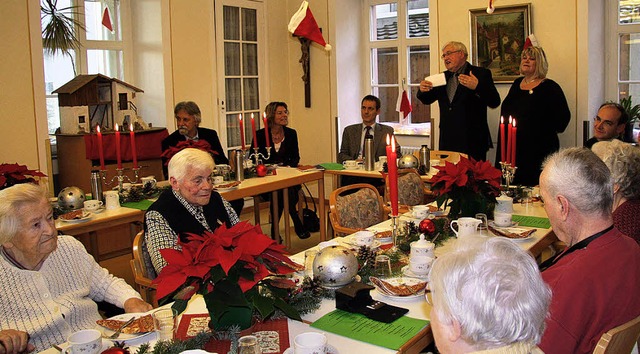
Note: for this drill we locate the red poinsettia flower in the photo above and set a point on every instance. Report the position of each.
(484, 171)
(450, 174)
(12, 173)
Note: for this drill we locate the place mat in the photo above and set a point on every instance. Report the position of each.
(273, 335)
(143, 205)
(356, 326)
(332, 166)
(532, 221)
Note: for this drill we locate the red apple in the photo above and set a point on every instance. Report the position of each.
(261, 170)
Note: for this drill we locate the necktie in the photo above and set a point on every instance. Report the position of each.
(452, 86)
(367, 134)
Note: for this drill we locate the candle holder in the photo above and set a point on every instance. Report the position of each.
(508, 172)
(120, 177)
(395, 223)
(258, 156)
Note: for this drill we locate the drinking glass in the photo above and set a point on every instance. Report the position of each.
(482, 228)
(248, 345)
(382, 266)
(527, 196)
(164, 323)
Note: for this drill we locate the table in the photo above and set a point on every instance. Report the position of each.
(364, 174)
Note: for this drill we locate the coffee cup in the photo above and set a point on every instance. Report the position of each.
(502, 219)
(218, 180)
(420, 211)
(112, 200)
(420, 265)
(148, 181)
(88, 341)
(92, 205)
(351, 164)
(310, 343)
(364, 238)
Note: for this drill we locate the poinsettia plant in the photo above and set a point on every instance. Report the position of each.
(234, 269)
(196, 144)
(468, 187)
(12, 173)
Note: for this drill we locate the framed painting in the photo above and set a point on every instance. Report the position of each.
(497, 39)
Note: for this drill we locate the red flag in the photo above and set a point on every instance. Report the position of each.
(403, 105)
(106, 19)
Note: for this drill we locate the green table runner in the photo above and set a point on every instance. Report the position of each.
(141, 205)
(356, 326)
(332, 166)
(532, 221)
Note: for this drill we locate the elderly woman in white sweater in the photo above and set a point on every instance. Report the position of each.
(49, 282)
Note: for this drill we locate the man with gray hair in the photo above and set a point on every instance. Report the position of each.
(463, 103)
(595, 279)
(488, 297)
(190, 206)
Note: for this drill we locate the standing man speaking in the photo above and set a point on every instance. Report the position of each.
(463, 103)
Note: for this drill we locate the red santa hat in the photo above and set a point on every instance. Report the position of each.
(302, 24)
(531, 41)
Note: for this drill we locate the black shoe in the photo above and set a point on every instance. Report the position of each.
(302, 232)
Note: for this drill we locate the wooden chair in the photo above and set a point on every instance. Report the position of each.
(621, 339)
(411, 189)
(355, 207)
(450, 156)
(143, 282)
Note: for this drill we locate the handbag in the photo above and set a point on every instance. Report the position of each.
(310, 218)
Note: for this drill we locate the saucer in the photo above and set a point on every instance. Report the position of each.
(97, 211)
(407, 271)
(330, 350)
(493, 224)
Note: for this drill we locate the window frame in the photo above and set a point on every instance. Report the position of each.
(612, 39)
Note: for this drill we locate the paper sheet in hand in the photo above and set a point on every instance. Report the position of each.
(356, 326)
(437, 79)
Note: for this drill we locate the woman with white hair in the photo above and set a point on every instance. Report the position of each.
(49, 282)
(488, 298)
(623, 161)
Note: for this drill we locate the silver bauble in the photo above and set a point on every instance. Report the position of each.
(335, 266)
(71, 198)
(408, 161)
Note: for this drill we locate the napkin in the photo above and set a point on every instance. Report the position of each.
(437, 79)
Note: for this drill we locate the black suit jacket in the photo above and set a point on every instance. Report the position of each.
(463, 122)
(289, 153)
(208, 135)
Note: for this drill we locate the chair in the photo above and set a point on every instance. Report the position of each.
(621, 339)
(450, 156)
(140, 274)
(355, 207)
(411, 189)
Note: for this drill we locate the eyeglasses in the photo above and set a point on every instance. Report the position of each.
(444, 55)
(607, 123)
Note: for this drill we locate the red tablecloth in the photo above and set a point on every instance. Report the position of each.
(148, 145)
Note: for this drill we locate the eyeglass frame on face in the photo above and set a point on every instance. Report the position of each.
(609, 124)
(444, 55)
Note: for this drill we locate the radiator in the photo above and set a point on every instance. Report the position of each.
(409, 150)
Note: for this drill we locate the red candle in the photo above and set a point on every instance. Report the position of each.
(118, 157)
(266, 128)
(100, 150)
(513, 144)
(253, 127)
(241, 122)
(393, 176)
(509, 140)
(503, 150)
(134, 153)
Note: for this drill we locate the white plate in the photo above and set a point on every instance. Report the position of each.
(124, 337)
(85, 217)
(407, 271)
(222, 190)
(402, 280)
(493, 224)
(330, 350)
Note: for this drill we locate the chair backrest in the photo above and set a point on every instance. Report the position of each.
(621, 339)
(355, 207)
(451, 156)
(411, 188)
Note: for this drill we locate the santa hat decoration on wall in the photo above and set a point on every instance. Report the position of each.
(531, 41)
(302, 24)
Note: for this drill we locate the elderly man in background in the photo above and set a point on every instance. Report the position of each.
(463, 103)
(623, 161)
(489, 298)
(190, 206)
(49, 282)
(608, 124)
(595, 279)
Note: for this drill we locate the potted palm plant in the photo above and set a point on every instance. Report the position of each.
(634, 116)
(59, 29)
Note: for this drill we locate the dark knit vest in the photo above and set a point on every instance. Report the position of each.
(182, 221)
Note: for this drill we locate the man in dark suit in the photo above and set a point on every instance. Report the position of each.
(353, 137)
(463, 103)
(188, 118)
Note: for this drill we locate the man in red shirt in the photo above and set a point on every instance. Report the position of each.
(594, 281)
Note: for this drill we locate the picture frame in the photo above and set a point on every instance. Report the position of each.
(497, 39)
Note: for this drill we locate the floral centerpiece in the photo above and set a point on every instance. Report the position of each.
(235, 270)
(468, 187)
(12, 173)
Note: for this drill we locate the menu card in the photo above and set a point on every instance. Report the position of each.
(356, 326)
(532, 221)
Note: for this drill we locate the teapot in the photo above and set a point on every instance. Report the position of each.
(466, 226)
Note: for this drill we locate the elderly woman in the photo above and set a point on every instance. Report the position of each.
(49, 282)
(541, 112)
(284, 151)
(489, 297)
(623, 161)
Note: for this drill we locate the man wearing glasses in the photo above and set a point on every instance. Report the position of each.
(463, 103)
(608, 124)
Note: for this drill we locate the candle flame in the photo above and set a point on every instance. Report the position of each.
(251, 115)
(98, 128)
(393, 144)
(239, 116)
(501, 120)
(264, 115)
(510, 119)
(514, 122)
(117, 127)
(388, 142)
(130, 127)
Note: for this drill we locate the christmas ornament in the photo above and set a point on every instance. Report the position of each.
(261, 170)
(427, 226)
(335, 266)
(71, 198)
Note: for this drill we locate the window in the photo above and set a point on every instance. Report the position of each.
(628, 28)
(399, 58)
(101, 51)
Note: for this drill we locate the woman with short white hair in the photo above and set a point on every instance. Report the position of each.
(488, 298)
